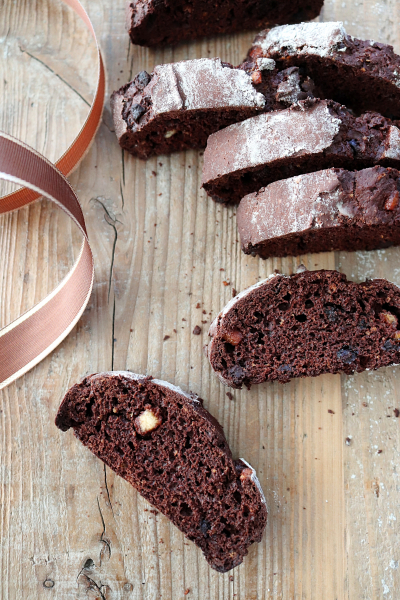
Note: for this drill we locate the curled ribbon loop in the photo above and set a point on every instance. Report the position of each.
(31, 337)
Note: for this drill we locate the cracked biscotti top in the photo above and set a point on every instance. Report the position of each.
(153, 23)
(322, 211)
(164, 443)
(180, 104)
(304, 325)
(309, 136)
(362, 74)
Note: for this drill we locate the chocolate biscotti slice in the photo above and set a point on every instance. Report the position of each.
(164, 443)
(310, 136)
(304, 325)
(322, 211)
(154, 23)
(362, 74)
(180, 104)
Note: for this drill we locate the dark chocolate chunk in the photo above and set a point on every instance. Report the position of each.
(346, 355)
(142, 79)
(137, 111)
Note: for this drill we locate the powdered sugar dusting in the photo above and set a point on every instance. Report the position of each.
(165, 94)
(320, 39)
(273, 136)
(202, 84)
(266, 64)
(269, 137)
(392, 144)
(254, 479)
(289, 90)
(289, 206)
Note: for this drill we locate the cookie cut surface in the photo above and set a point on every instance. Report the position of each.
(151, 22)
(310, 136)
(164, 443)
(322, 211)
(304, 325)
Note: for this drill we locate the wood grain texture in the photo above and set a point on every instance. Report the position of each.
(71, 529)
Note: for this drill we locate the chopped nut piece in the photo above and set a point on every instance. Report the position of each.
(397, 336)
(392, 202)
(147, 421)
(234, 337)
(389, 318)
(246, 474)
(170, 133)
(256, 77)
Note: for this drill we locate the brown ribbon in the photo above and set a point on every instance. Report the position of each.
(31, 337)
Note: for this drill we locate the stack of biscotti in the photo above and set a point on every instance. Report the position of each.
(318, 175)
(180, 104)
(275, 127)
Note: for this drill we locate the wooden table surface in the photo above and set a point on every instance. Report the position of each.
(327, 450)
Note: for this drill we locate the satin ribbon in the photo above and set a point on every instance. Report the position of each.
(31, 337)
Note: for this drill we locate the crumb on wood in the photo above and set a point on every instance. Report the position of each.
(330, 411)
(396, 412)
(225, 283)
(166, 337)
(234, 292)
(348, 441)
(197, 330)
(230, 396)
(187, 591)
